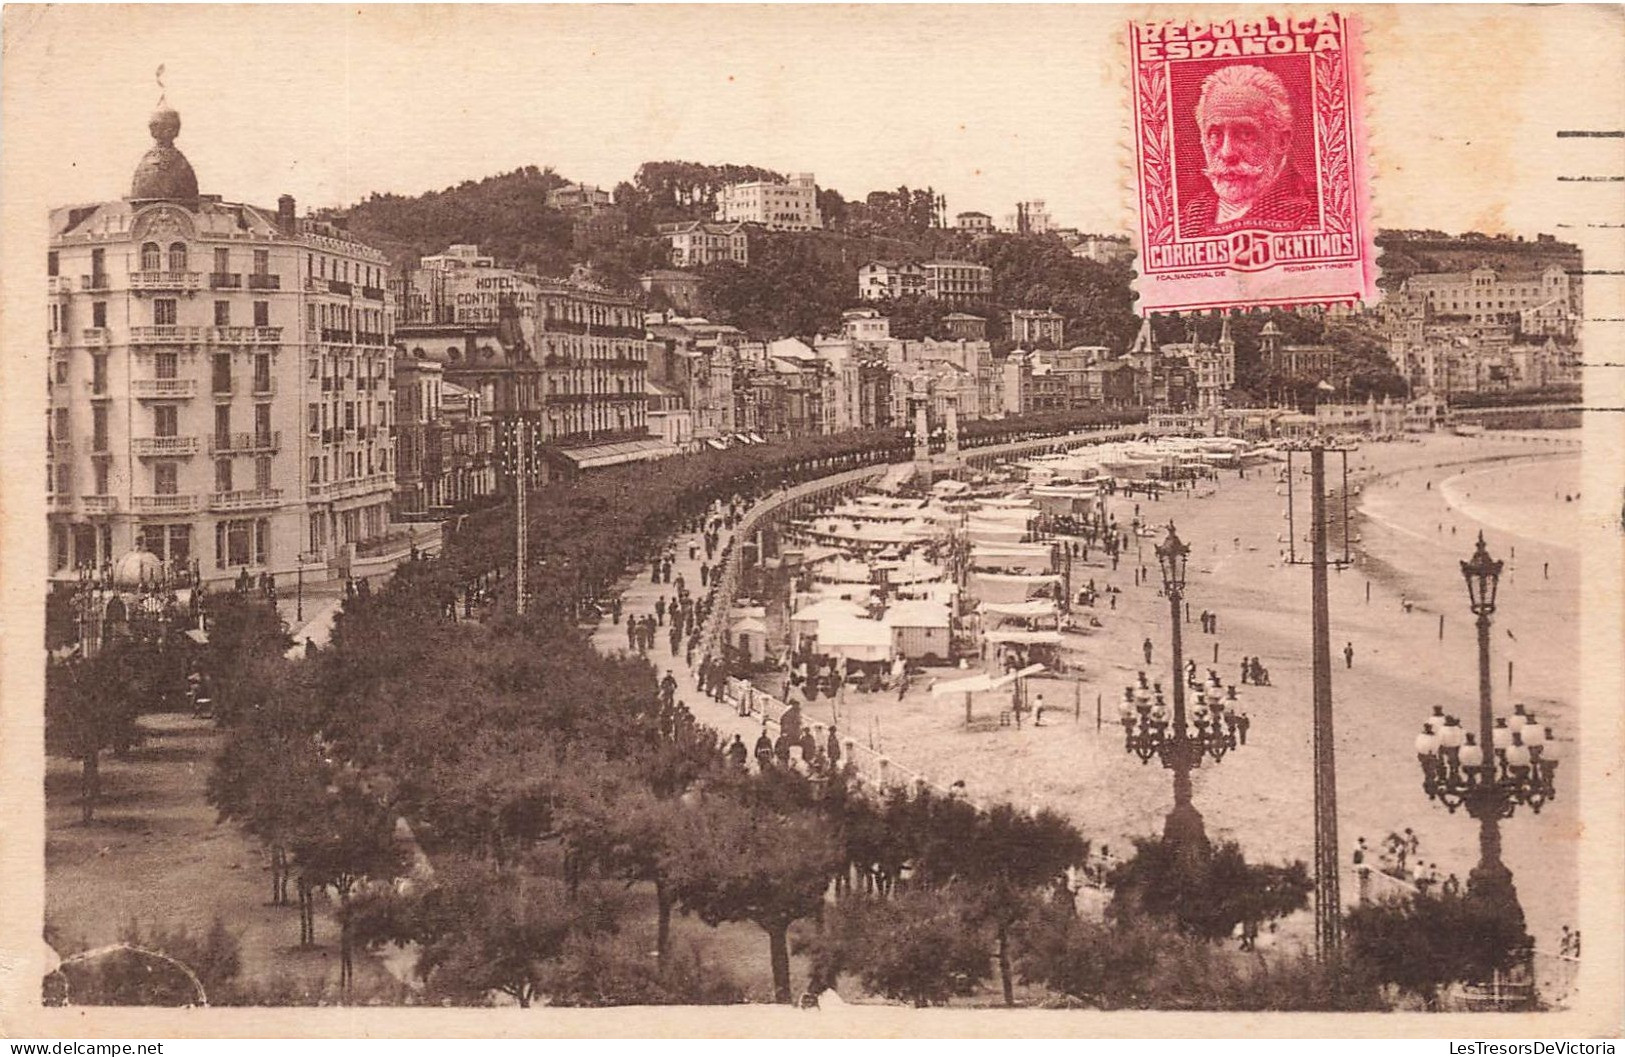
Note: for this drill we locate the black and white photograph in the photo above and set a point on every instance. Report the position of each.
(533, 512)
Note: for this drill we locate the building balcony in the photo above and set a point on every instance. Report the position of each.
(225, 281)
(369, 337)
(94, 335)
(99, 504)
(257, 281)
(245, 335)
(372, 293)
(164, 281)
(164, 335)
(60, 447)
(336, 337)
(56, 338)
(164, 447)
(59, 284)
(98, 391)
(338, 286)
(93, 282)
(61, 503)
(250, 499)
(245, 443)
(163, 388)
(163, 504)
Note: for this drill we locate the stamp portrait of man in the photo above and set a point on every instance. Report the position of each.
(1244, 116)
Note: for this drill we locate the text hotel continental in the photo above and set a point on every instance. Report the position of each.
(1273, 35)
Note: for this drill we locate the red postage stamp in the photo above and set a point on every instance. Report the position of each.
(1250, 165)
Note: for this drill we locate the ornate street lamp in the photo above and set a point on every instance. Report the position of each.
(1179, 741)
(1511, 761)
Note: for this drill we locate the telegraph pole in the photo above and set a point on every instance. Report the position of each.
(1328, 896)
(1328, 901)
(521, 551)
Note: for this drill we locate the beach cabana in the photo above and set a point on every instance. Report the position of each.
(805, 622)
(855, 639)
(748, 635)
(920, 630)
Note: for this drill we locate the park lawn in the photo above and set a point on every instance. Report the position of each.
(154, 853)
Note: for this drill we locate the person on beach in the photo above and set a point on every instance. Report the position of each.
(1146, 646)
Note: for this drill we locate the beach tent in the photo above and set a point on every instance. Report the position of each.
(978, 684)
(855, 639)
(1008, 557)
(1009, 612)
(1005, 587)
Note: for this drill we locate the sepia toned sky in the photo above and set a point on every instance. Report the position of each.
(988, 104)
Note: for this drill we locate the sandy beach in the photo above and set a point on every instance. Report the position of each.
(1406, 550)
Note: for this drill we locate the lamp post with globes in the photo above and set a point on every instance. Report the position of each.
(1511, 761)
(1177, 741)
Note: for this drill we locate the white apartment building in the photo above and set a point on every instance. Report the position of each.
(220, 379)
(791, 206)
(958, 282)
(698, 243)
(1547, 300)
(890, 280)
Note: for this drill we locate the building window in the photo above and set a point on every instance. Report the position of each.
(98, 268)
(98, 313)
(52, 264)
(262, 473)
(98, 427)
(222, 475)
(262, 262)
(163, 312)
(98, 374)
(262, 372)
(222, 313)
(100, 467)
(165, 478)
(222, 260)
(64, 478)
(262, 540)
(165, 365)
(177, 256)
(313, 418)
(262, 424)
(221, 375)
(262, 313)
(315, 469)
(165, 421)
(152, 258)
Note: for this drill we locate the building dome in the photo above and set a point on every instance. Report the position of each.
(136, 568)
(164, 173)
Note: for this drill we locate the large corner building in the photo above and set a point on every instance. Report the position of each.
(220, 379)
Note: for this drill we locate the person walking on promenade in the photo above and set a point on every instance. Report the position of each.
(1363, 870)
(1348, 654)
(676, 638)
(1246, 667)
(1146, 647)
(631, 634)
(737, 753)
(660, 609)
(764, 750)
(668, 689)
(615, 609)
(832, 748)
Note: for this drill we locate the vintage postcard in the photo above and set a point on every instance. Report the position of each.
(779, 520)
